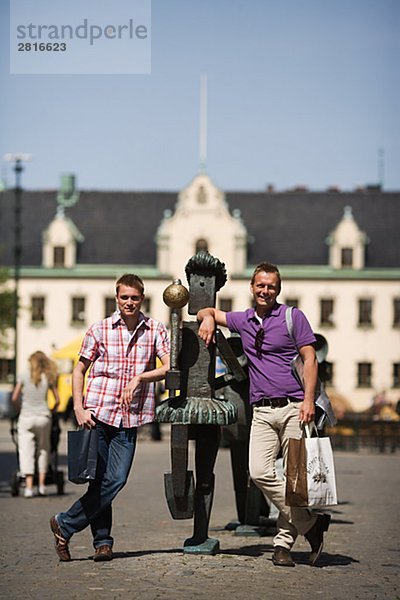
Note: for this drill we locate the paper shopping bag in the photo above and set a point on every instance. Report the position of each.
(296, 474)
(310, 473)
(82, 455)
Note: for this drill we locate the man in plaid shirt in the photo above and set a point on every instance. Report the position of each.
(121, 351)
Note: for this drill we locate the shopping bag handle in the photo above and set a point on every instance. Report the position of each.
(309, 428)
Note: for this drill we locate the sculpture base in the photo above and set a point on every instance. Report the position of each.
(232, 525)
(209, 547)
(197, 411)
(250, 531)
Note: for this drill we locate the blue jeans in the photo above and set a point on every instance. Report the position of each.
(115, 456)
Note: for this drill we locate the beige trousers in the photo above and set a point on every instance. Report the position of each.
(33, 442)
(270, 431)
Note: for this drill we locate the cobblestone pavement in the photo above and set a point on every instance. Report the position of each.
(360, 559)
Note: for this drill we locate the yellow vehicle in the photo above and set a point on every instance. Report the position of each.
(65, 359)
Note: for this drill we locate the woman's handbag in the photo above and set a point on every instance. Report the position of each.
(310, 472)
(82, 455)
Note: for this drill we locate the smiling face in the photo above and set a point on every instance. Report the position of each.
(129, 300)
(265, 289)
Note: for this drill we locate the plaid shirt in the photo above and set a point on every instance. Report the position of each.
(117, 356)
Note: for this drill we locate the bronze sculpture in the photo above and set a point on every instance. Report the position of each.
(192, 407)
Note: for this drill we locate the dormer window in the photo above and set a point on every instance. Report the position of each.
(59, 256)
(347, 243)
(60, 241)
(347, 257)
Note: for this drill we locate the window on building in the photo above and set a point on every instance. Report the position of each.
(365, 311)
(6, 370)
(396, 312)
(146, 306)
(225, 304)
(37, 309)
(292, 302)
(78, 309)
(109, 306)
(201, 244)
(396, 375)
(364, 374)
(326, 312)
(59, 256)
(347, 257)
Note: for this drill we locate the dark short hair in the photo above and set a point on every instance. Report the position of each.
(266, 267)
(130, 280)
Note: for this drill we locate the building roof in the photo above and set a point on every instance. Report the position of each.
(118, 227)
(286, 228)
(291, 228)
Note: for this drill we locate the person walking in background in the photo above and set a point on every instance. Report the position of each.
(34, 422)
(121, 351)
(280, 406)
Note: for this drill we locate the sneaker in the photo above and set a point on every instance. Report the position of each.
(103, 553)
(28, 493)
(61, 543)
(42, 490)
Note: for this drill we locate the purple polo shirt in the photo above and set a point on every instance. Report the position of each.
(270, 373)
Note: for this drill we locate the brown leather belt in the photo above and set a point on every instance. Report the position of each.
(276, 402)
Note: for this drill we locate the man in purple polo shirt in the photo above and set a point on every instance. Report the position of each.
(280, 405)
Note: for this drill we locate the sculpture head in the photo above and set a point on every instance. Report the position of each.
(206, 275)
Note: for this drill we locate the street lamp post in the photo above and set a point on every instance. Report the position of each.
(18, 160)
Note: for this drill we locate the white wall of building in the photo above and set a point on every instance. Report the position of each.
(349, 343)
(201, 212)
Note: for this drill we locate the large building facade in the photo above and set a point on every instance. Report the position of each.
(338, 252)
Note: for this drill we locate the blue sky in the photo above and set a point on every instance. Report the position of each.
(299, 92)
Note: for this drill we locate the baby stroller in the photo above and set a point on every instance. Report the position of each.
(53, 475)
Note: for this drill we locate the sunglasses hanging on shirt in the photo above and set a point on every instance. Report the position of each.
(259, 341)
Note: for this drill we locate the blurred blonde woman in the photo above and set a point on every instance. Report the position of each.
(34, 422)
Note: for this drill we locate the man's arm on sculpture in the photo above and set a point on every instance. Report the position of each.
(208, 318)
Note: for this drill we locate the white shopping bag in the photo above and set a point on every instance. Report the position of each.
(310, 472)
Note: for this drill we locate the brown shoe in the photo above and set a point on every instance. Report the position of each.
(61, 543)
(282, 558)
(103, 553)
(315, 537)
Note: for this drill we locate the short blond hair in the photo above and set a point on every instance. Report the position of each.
(266, 267)
(130, 280)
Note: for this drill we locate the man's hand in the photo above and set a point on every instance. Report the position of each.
(208, 319)
(207, 329)
(84, 417)
(307, 411)
(127, 393)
